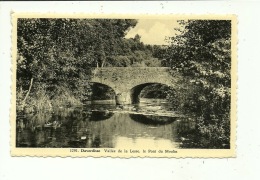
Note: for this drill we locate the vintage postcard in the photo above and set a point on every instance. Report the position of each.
(123, 85)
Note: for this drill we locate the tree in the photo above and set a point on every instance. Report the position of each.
(55, 53)
(202, 54)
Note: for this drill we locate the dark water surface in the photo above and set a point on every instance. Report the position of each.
(149, 124)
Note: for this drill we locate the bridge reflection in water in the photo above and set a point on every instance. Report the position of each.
(99, 126)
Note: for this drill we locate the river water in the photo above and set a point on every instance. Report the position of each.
(150, 124)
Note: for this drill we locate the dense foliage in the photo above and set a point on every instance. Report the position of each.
(202, 54)
(55, 57)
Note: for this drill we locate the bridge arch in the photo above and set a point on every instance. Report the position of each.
(98, 90)
(136, 90)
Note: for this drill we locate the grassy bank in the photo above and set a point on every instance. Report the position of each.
(40, 99)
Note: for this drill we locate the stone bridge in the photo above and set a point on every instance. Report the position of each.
(128, 82)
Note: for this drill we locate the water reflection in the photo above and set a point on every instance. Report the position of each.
(95, 126)
(100, 115)
(152, 119)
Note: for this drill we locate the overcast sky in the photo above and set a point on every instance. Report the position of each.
(154, 31)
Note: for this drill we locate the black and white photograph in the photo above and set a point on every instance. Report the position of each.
(129, 90)
(147, 84)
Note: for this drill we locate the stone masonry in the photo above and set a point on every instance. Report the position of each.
(127, 82)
